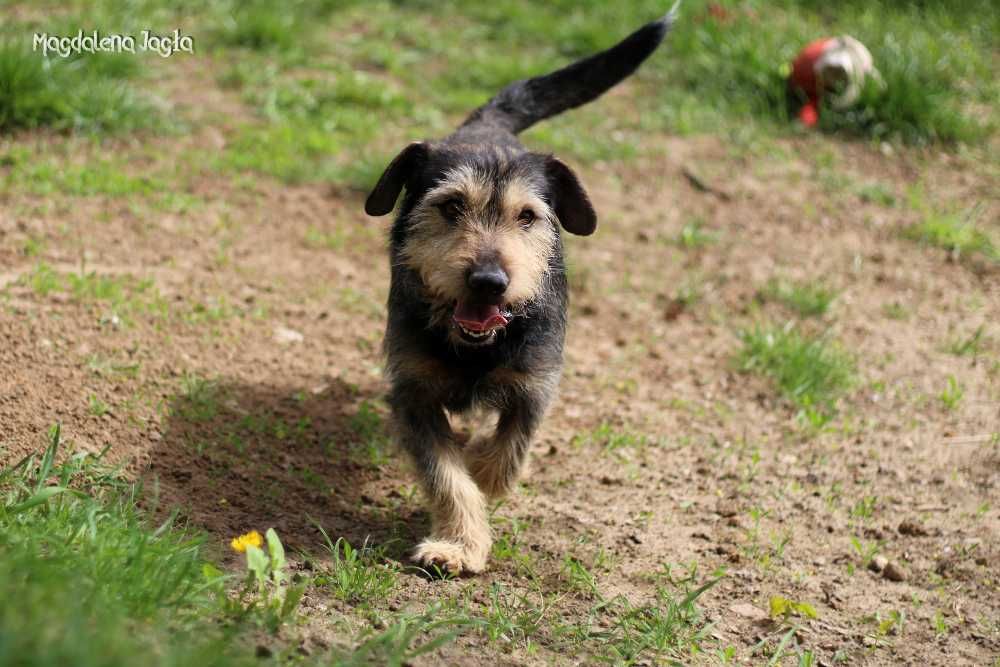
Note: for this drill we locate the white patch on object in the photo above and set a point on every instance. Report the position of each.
(843, 69)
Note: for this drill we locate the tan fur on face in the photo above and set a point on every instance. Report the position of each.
(442, 252)
(524, 252)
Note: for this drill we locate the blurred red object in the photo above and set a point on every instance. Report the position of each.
(804, 78)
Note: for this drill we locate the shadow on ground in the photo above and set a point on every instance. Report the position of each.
(236, 457)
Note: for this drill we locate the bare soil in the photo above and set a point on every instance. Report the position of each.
(231, 417)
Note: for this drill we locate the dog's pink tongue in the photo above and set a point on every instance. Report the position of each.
(479, 317)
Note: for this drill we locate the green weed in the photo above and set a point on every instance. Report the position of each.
(896, 311)
(866, 551)
(578, 578)
(876, 193)
(512, 616)
(267, 595)
(96, 406)
(805, 298)
(614, 441)
(355, 575)
(810, 372)
(373, 442)
(199, 400)
(126, 295)
(408, 637)
(667, 629)
(952, 395)
(972, 344)
(955, 232)
(694, 235)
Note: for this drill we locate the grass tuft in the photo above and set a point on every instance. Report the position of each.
(954, 232)
(810, 372)
(805, 298)
(356, 575)
(87, 94)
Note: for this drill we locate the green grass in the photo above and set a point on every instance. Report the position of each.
(199, 400)
(87, 581)
(720, 69)
(339, 114)
(372, 446)
(125, 294)
(971, 345)
(356, 576)
(808, 299)
(667, 629)
(725, 65)
(25, 172)
(90, 93)
(951, 396)
(694, 235)
(316, 128)
(257, 25)
(810, 372)
(956, 232)
(615, 441)
(260, 26)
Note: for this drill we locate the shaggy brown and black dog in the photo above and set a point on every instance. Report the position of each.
(477, 304)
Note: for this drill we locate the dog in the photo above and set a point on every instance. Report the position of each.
(478, 295)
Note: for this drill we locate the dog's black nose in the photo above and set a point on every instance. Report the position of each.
(488, 280)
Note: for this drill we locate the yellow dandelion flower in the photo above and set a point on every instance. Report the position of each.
(241, 543)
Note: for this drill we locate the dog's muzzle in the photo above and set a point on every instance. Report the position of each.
(479, 316)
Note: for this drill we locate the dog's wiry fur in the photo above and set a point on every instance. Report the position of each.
(477, 302)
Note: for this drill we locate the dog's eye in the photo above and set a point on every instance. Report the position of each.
(451, 209)
(526, 218)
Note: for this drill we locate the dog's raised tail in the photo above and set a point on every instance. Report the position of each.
(523, 103)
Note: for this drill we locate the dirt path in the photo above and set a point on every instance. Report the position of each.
(237, 370)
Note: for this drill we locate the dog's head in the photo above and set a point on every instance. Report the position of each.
(479, 227)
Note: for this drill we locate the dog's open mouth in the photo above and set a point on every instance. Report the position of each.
(479, 322)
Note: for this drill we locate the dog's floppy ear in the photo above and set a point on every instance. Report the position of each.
(383, 196)
(572, 205)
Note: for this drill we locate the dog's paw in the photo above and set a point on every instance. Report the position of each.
(452, 557)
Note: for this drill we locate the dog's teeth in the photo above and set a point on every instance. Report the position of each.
(475, 334)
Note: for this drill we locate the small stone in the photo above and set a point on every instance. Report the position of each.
(912, 529)
(878, 563)
(747, 610)
(893, 572)
(286, 336)
(727, 507)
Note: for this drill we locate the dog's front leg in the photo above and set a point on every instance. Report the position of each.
(460, 535)
(495, 461)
